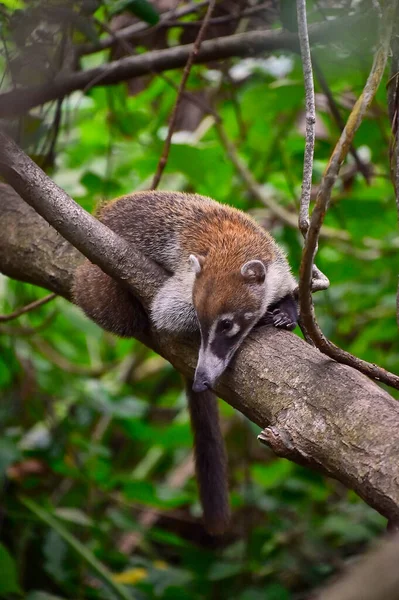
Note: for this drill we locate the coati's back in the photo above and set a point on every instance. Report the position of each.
(167, 226)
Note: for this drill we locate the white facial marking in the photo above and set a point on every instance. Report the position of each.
(195, 263)
(235, 329)
(212, 329)
(279, 282)
(248, 316)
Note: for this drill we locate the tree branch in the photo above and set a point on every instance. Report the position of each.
(340, 151)
(116, 257)
(193, 54)
(315, 411)
(128, 34)
(285, 216)
(17, 102)
(374, 577)
(318, 280)
(27, 308)
(310, 117)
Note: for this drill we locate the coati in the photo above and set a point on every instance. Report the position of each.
(227, 275)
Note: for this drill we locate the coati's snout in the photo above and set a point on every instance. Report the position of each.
(209, 368)
(219, 342)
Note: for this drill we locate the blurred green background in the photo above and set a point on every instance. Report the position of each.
(98, 498)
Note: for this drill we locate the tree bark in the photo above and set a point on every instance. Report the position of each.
(314, 411)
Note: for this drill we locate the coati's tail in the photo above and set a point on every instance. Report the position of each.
(106, 301)
(210, 459)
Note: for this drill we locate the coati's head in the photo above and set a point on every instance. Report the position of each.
(228, 306)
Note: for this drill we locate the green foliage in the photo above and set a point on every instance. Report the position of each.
(9, 577)
(95, 431)
(141, 8)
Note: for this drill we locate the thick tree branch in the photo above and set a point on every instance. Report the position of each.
(17, 102)
(374, 577)
(86, 233)
(315, 411)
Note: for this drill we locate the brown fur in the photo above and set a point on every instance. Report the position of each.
(168, 227)
(210, 459)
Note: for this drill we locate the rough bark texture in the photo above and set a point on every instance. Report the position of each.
(315, 411)
(101, 245)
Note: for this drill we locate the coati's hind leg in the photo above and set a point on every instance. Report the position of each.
(282, 314)
(107, 302)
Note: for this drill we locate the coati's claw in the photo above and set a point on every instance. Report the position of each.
(283, 321)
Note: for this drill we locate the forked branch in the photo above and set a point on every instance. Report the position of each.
(342, 148)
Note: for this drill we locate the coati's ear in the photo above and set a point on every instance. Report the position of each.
(254, 271)
(197, 262)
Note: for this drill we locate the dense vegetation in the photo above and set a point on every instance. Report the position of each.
(98, 498)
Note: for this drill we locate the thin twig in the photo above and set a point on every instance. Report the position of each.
(28, 331)
(128, 33)
(318, 281)
(129, 49)
(322, 201)
(49, 155)
(393, 110)
(310, 117)
(17, 102)
(284, 215)
(58, 360)
(222, 20)
(197, 44)
(362, 167)
(27, 308)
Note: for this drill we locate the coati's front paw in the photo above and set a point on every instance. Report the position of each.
(282, 320)
(282, 314)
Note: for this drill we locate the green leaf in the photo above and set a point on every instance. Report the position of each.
(74, 515)
(55, 552)
(224, 570)
(9, 454)
(101, 570)
(13, 4)
(141, 8)
(37, 595)
(8, 574)
(273, 474)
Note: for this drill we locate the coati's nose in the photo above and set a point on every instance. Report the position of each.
(200, 385)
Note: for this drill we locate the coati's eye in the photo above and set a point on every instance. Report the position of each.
(225, 325)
